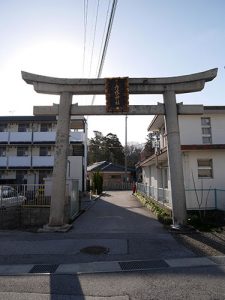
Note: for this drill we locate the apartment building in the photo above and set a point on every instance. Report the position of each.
(27, 145)
(203, 155)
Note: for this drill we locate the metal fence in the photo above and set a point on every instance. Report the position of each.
(29, 204)
(25, 195)
(196, 199)
(113, 186)
(158, 194)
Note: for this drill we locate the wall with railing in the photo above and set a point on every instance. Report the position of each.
(29, 204)
(196, 199)
(158, 194)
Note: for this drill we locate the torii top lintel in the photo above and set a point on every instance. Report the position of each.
(179, 84)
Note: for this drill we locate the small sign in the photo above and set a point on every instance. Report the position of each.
(117, 94)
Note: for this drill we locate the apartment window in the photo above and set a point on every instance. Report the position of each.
(21, 177)
(78, 150)
(206, 131)
(2, 151)
(46, 127)
(44, 174)
(22, 127)
(205, 168)
(22, 151)
(45, 151)
(3, 127)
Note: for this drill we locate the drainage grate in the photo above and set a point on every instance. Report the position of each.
(142, 265)
(44, 269)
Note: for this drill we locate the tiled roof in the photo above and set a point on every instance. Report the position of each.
(106, 166)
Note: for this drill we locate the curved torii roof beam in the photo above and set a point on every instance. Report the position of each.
(179, 84)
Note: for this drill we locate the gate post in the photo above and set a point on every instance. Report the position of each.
(58, 198)
(175, 159)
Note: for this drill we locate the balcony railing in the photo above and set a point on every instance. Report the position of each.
(19, 161)
(4, 137)
(20, 137)
(3, 162)
(42, 161)
(39, 137)
(76, 136)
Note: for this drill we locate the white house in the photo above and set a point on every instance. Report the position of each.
(203, 152)
(27, 149)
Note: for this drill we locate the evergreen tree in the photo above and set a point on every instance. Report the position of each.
(106, 148)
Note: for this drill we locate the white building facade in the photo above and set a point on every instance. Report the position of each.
(203, 154)
(27, 145)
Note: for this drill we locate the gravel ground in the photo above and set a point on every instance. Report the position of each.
(203, 243)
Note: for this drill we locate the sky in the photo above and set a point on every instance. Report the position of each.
(149, 38)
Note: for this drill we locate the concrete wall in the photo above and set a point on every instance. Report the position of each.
(191, 132)
(193, 182)
(19, 217)
(76, 166)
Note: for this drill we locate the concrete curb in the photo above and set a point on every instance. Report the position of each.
(113, 266)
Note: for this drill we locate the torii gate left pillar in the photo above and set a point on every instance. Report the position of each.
(66, 88)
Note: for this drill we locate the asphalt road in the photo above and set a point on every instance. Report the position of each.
(118, 222)
(175, 283)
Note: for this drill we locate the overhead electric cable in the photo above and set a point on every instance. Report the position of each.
(113, 10)
(106, 42)
(93, 44)
(103, 36)
(85, 30)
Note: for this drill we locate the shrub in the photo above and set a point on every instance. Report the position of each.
(97, 182)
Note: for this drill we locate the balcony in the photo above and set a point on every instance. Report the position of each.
(42, 161)
(4, 137)
(76, 137)
(19, 161)
(20, 137)
(3, 162)
(44, 137)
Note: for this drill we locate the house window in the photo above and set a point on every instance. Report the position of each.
(45, 151)
(205, 168)
(2, 151)
(46, 127)
(206, 131)
(3, 127)
(23, 127)
(22, 151)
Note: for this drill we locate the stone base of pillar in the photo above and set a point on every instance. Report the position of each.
(181, 228)
(63, 228)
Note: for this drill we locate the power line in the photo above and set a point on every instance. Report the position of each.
(85, 30)
(93, 44)
(103, 36)
(113, 10)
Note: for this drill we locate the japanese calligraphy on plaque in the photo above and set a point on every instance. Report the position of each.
(117, 94)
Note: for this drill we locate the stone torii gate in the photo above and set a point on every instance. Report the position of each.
(168, 87)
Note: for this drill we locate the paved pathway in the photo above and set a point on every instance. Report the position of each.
(117, 223)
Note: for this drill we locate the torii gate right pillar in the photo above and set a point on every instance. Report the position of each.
(175, 159)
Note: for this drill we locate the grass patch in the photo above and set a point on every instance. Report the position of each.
(162, 214)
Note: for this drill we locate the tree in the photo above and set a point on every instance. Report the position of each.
(114, 150)
(133, 154)
(106, 148)
(149, 150)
